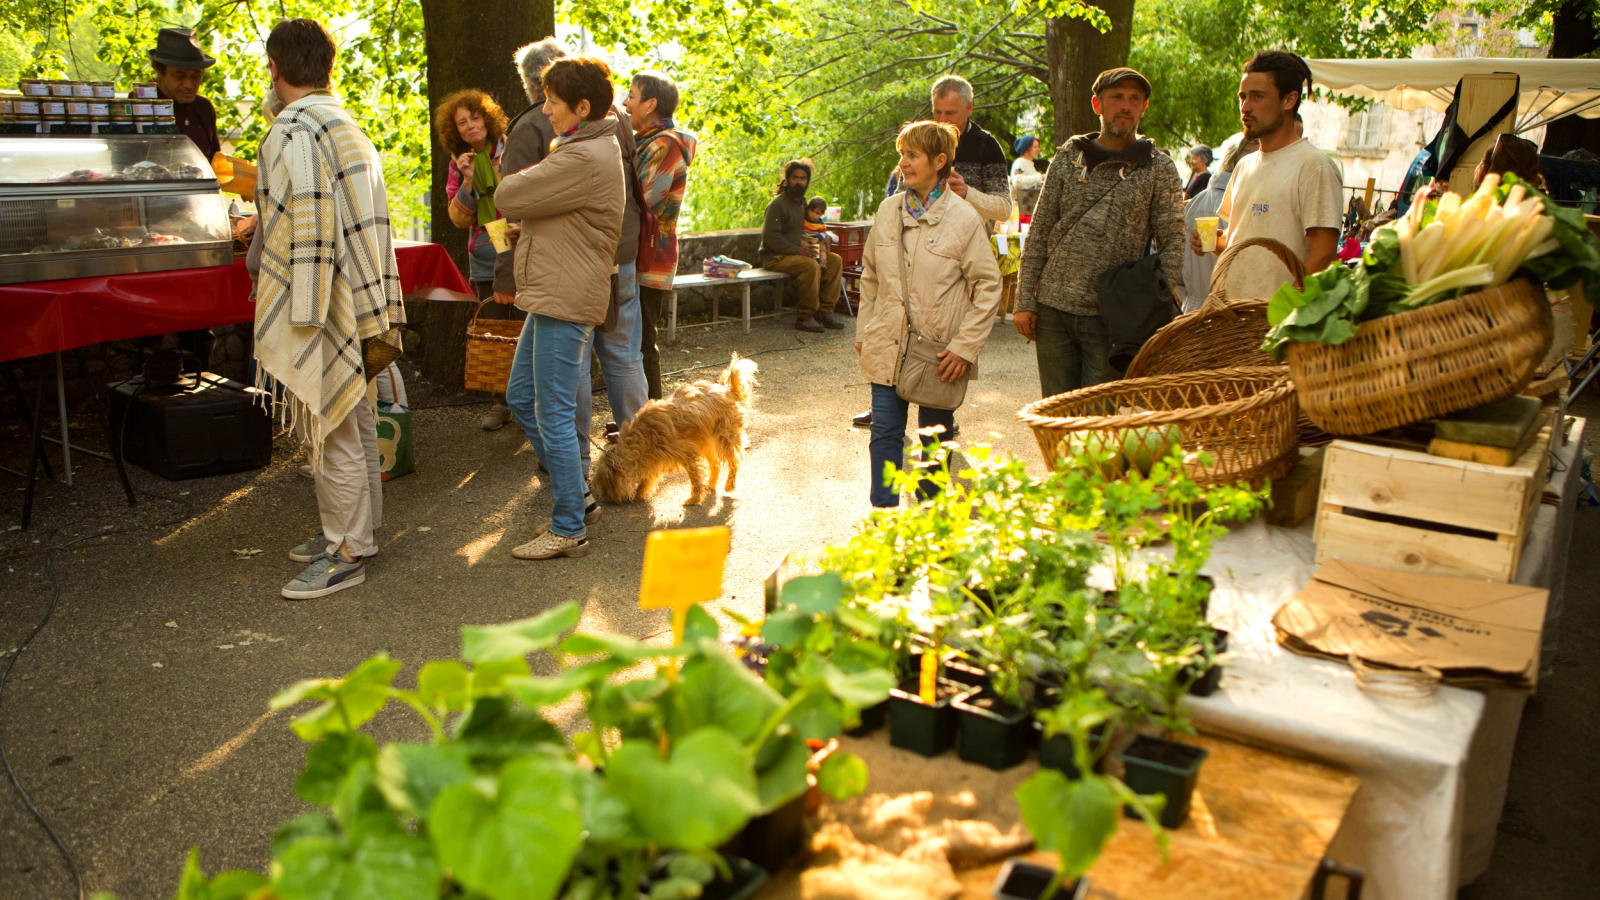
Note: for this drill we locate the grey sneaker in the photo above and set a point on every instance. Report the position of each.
(498, 415)
(327, 574)
(311, 549)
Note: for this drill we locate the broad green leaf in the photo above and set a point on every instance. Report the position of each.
(328, 763)
(493, 730)
(516, 840)
(537, 692)
(819, 717)
(237, 884)
(192, 884)
(444, 683)
(513, 640)
(694, 868)
(349, 702)
(859, 622)
(716, 689)
(674, 887)
(489, 678)
(781, 770)
(860, 689)
(842, 775)
(1075, 819)
(617, 646)
(696, 800)
(813, 594)
(606, 816)
(412, 775)
(700, 625)
(786, 627)
(378, 864)
(312, 824)
(358, 794)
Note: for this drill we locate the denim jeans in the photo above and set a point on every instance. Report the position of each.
(621, 362)
(546, 375)
(1073, 351)
(888, 444)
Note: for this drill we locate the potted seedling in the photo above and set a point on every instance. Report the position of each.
(994, 723)
(1164, 765)
(921, 718)
(1075, 819)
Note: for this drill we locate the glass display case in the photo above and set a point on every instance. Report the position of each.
(73, 206)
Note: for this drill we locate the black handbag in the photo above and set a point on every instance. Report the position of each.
(1135, 302)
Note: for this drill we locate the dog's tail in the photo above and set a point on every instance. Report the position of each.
(740, 377)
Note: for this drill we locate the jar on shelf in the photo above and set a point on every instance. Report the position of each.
(61, 89)
(53, 111)
(83, 89)
(145, 91)
(105, 90)
(162, 109)
(34, 87)
(25, 111)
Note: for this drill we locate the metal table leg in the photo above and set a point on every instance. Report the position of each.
(103, 413)
(746, 287)
(61, 404)
(35, 450)
(27, 416)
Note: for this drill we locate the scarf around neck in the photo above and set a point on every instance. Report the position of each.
(485, 179)
(915, 207)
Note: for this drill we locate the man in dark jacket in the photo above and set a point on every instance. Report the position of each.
(982, 174)
(1112, 193)
(783, 251)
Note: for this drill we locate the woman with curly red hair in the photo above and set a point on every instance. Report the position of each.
(471, 127)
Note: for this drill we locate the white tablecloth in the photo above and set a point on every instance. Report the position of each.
(1433, 774)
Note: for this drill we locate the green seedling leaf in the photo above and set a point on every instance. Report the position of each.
(818, 717)
(192, 883)
(1075, 819)
(445, 683)
(494, 730)
(237, 884)
(716, 689)
(328, 764)
(842, 775)
(349, 702)
(410, 776)
(859, 622)
(489, 678)
(376, 863)
(513, 839)
(813, 594)
(495, 643)
(616, 646)
(312, 824)
(537, 692)
(686, 865)
(860, 689)
(696, 800)
(786, 627)
(700, 625)
(606, 817)
(781, 771)
(674, 888)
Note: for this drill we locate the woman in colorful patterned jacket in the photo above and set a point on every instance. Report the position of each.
(662, 156)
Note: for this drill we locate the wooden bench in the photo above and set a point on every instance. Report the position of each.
(697, 280)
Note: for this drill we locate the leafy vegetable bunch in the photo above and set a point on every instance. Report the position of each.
(1440, 250)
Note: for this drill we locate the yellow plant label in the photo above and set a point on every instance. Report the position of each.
(930, 677)
(682, 567)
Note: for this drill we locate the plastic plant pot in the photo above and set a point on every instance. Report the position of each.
(1157, 766)
(954, 670)
(927, 729)
(1210, 680)
(771, 841)
(872, 718)
(1056, 752)
(1023, 880)
(993, 734)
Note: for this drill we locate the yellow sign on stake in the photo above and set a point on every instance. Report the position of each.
(682, 567)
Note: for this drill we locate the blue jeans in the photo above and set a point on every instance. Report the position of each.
(888, 443)
(621, 361)
(1073, 351)
(546, 374)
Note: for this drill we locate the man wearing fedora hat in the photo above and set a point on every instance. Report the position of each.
(180, 66)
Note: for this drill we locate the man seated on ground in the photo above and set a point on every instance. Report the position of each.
(783, 249)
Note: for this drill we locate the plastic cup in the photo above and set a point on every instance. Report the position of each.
(502, 241)
(1207, 226)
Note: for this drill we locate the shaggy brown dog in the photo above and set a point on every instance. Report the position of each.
(698, 429)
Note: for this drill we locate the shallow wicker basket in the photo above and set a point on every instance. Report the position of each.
(491, 344)
(1222, 332)
(1449, 356)
(1244, 417)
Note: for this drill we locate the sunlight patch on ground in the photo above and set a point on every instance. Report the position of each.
(201, 519)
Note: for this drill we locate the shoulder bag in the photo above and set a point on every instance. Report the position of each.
(918, 378)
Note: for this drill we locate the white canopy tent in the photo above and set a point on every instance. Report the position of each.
(1551, 88)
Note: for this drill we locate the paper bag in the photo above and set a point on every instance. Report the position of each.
(1476, 633)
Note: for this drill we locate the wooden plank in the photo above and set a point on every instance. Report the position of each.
(1431, 488)
(1388, 545)
(696, 279)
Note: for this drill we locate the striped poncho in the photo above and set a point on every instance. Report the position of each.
(328, 279)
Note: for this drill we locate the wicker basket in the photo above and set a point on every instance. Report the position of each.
(1452, 355)
(1243, 417)
(1222, 332)
(491, 344)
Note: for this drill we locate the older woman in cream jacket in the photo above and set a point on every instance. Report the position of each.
(930, 249)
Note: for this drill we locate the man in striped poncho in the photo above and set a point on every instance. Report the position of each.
(328, 285)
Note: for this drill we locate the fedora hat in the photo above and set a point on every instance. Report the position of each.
(177, 47)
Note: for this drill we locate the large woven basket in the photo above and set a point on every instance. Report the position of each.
(1449, 356)
(491, 344)
(1244, 417)
(1222, 332)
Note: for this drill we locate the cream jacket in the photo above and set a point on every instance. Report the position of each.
(954, 283)
(570, 208)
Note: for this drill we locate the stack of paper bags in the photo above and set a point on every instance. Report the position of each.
(1477, 633)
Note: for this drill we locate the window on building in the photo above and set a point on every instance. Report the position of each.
(1366, 128)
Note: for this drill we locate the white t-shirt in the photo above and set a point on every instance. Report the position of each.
(1278, 195)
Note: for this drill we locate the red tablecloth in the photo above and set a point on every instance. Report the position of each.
(46, 316)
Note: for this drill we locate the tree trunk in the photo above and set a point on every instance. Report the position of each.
(470, 45)
(1574, 35)
(1077, 53)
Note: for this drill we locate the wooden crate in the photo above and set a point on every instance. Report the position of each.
(1408, 511)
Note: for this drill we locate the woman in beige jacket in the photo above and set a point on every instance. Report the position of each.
(931, 248)
(570, 206)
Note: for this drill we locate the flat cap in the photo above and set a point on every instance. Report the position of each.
(1112, 77)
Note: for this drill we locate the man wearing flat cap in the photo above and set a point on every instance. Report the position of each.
(180, 66)
(1105, 196)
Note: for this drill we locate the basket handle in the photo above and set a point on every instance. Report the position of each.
(1217, 299)
(475, 314)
